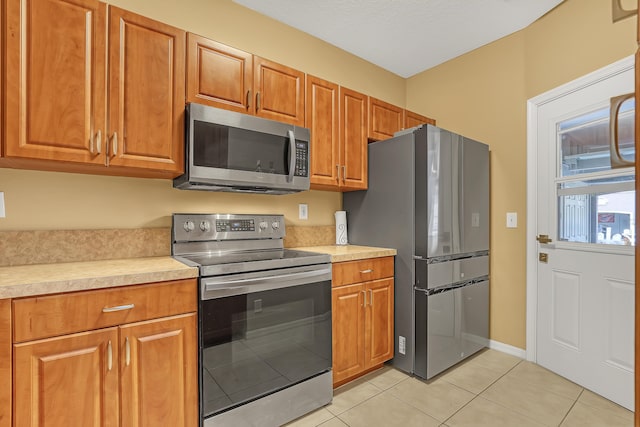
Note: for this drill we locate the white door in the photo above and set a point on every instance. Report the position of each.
(585, 286)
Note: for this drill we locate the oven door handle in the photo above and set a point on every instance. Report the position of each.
(218, 288)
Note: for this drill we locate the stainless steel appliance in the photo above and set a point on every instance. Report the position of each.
(230, 151)
(264, 319)
(428, 198)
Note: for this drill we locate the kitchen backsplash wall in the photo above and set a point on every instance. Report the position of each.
(37, 200)
(54, 246)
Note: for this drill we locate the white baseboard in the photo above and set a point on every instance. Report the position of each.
(509, 349)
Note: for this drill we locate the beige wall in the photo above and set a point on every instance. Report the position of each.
(47, 200)
(483, 95)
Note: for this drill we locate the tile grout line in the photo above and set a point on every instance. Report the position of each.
(526, 415)
(478, 394)
(367, 399)
(571, 408)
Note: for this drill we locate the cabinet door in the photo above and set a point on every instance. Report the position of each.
(412, 119)
(322, 120)
(379, 331)
(146, 93)
(55, 74)
(347, 315)
(159, 379)
(384, 119)
(219, 75)
(353, 138)
(279, 92)
(67, 381)
(6, 350)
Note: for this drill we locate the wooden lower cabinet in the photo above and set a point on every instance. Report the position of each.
(362, 318)
(159, 380)
(6, 354)
(67, 381)
(138, 374)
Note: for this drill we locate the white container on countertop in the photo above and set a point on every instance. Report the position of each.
(341, 228)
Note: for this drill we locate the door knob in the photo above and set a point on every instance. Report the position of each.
(543, 238)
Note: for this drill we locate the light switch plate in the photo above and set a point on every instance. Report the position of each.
(2, 214)
(303, 211)
(512, 220)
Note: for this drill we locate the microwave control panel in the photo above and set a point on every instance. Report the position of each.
(302, 159)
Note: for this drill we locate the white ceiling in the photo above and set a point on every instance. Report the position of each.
(405, 36)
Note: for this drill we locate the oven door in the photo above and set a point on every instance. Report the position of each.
(262, 332)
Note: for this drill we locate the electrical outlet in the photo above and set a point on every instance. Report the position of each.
(303, 211)
(2, 214)
(402, 345)
(512, 220)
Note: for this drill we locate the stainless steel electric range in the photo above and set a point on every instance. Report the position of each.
(264, 319)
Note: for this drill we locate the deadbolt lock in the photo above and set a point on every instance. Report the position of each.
(543, 238)
(542, 257)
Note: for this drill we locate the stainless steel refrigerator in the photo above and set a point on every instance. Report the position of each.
(428, 198)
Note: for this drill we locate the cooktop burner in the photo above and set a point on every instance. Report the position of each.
(226, 244)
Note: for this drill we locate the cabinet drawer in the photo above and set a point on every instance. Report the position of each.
(345, 273)
(47, 316)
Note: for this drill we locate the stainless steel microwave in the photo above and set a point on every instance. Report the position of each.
(230, 151)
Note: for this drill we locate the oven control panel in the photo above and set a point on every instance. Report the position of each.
(206, 227)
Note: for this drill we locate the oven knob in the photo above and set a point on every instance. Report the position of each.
(189, 226)
(205, 226)
(275, 225)
(263, 225)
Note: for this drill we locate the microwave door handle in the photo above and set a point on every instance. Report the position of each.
(292, 155)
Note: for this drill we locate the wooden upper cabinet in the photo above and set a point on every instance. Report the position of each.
(353, 137)
(67, 381)
(412, 119)
(146, 93)
(384, 119)
(279, 91)
(219, 75)
(322, 120)
(1, 84)
(55, 74)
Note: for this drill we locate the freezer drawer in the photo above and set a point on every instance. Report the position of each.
(445, 273)
(450, 326)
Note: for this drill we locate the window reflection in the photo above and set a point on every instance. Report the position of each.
(595, 203)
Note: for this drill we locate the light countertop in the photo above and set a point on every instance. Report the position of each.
(40, 279)
(349, 252)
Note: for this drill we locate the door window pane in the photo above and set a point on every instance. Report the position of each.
(600, 211)
(584, 140)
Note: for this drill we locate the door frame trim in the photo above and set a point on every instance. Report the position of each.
(532, 187)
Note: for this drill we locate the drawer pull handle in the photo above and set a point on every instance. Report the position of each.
(118, 308)
(127, 351)
(366, 271)
(109, 356)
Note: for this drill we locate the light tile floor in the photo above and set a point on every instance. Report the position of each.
(490, 389)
